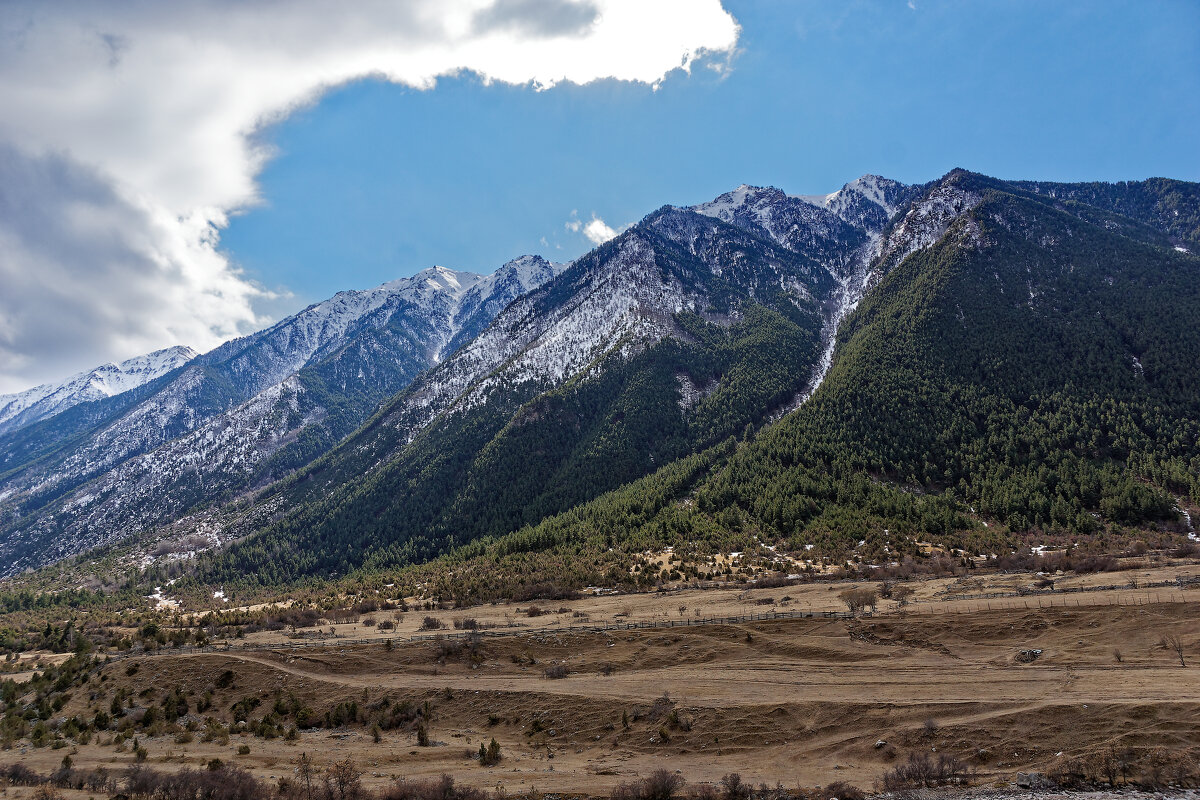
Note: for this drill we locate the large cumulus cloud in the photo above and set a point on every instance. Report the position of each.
(128, 138)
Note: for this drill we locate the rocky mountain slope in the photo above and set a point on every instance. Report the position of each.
(247, 413)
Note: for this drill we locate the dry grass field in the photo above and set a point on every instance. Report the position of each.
(798, 702)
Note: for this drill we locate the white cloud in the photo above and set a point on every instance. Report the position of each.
(596, 230)
(130, 125)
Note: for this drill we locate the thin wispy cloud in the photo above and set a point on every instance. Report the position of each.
(129, 138)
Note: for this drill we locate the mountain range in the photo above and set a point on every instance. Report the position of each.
(972, 360)
(240, 416)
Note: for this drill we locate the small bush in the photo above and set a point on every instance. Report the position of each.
(732, 787)
(923, 771)
(431, 624)
(843, 791)
(556, 671)
(489, 755)
(660, 785)
(441, 789)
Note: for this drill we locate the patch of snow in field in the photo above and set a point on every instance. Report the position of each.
(161, 601)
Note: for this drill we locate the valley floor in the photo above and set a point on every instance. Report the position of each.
(797, 702)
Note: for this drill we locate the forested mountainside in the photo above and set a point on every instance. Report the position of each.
(684, 330)
(1030, 365)
(1171, 206)
(241, 416)
(1018, 365)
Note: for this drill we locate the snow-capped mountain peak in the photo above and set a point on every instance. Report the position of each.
(868, 192)
(726, 206)
(24, 408)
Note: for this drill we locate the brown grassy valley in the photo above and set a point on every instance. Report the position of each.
(781, 686)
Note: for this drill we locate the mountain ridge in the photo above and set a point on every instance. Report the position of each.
(48, 399)
(249, 411)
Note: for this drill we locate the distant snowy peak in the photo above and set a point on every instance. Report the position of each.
(40, 402)
(726, 207)
(451, 301)
(235, 415)
(483, 302)
(440, 302)
(828, 229)
(885, 193)
(866, 203)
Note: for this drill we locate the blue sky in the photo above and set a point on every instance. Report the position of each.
(378, 180)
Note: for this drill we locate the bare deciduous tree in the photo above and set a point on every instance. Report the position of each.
(1173, 643)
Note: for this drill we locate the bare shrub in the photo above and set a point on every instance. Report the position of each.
(859, 599)
(1186, 550)
(431, 624)
(923, 771)
(732, 787)
(343, 781)
(1175, 645)
(442, 788)
(224, 783)
(660, 785)
(773, 582)
(842, 791)
(556, 671)
(20, 775)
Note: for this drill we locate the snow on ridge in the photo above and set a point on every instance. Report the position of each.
(103, 381)
(852, 287)
(626, 297)
(872, 187)
(925, 222)
(725, 204)
(863, 204)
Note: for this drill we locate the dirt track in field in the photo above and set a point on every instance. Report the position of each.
(796, 701)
